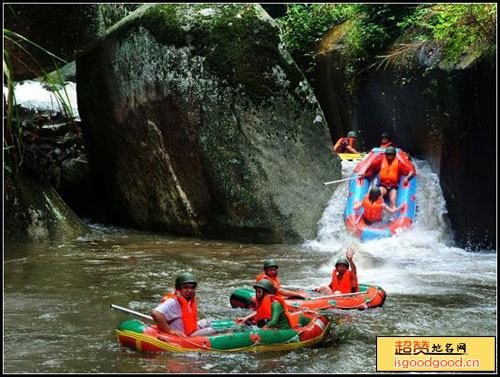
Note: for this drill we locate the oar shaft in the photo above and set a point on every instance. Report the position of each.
(338, 295)
(340, 180)
(113, 306)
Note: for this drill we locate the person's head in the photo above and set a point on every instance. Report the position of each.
(385, 137)
(342, 265)
(352, 134)
(390, 153)
(186, 284)
(271, 268)
(263, 287)
(374, 193)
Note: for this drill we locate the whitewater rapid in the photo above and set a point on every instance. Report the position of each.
(422, 260)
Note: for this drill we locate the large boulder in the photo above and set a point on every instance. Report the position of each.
(35, 212)
(198, 122)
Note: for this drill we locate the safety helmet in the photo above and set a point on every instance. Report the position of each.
(270, 263)
(265, 285)
(351, 134)
(342, 261)
(375, 191)
(385, 134)
(184, 278)
(390, 150)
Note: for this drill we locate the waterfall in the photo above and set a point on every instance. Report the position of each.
(422, 259)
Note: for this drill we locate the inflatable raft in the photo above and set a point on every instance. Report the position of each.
(369, 296)
(351, 156)
(145, 337)
(358, 188)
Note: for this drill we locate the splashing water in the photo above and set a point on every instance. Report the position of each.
(421, 260)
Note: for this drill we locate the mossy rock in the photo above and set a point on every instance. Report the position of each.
(198, 122)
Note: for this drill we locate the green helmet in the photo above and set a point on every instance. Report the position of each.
(351, 134)
(342, 261)
(270, 263)
(390, 150)
(385, 134)
(375, 191)
(184, 278)
(265, 285)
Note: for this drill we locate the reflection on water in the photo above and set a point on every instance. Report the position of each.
(56, 296)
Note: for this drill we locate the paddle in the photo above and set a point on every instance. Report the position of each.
(340, 180)
(113, 306)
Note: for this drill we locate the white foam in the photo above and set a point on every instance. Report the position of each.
(420, 260)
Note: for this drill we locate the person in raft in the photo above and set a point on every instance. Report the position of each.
(373, 204)
(344, 278)
(346, 144)
(271, 273)
(390, 171)
(271, 309)
(178, 314)
(386, 141)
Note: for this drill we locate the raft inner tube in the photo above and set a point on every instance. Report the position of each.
(368, 297)
(358, 188)
(146, 337)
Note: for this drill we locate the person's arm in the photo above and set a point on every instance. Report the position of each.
(163, 325)
(245, 319)
(390, 209)
(375, 164)
(349, 254)
(287, 293)
(407, 179)
(357, 206)
(351, 149)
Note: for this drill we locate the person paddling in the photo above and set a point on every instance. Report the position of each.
(271, 273)
(344, 277)
(390, 171)
(178, 313)
(346, 144)
(373, 204)
(271, 309)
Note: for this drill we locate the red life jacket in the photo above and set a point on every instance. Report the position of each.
(189, 311)
(276, 282)
(389, 173)
(265, 311)
(372, 210)
(345, 284)
(337, 145)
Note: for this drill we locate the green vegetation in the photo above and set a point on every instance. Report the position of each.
(305, 24)
(391, 34)
(12, 142)
(112, 13)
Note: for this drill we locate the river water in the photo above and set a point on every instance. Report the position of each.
(57, 295)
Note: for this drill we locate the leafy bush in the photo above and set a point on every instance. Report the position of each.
(305, 24)
(457, 29)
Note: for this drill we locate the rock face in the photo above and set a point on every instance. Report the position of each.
(446, 117)
(197, 122)
(35, 212)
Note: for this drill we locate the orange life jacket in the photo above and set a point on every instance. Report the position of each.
(265, 311)
(345, 284)
(372, 210)
(389, 173)
(276, 282)
(350, 140)
(189, 311)
(388, 144)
